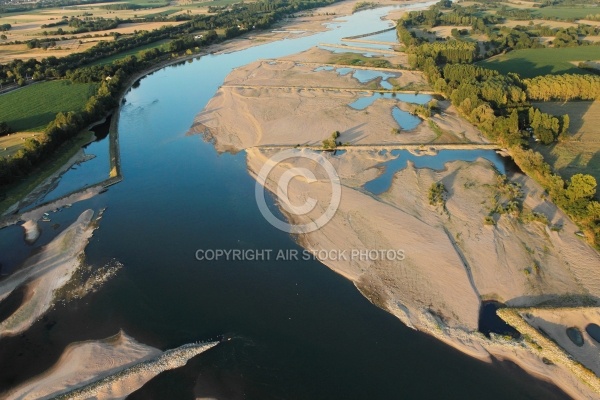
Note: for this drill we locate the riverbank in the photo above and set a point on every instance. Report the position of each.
(49, 172)
(537, 260)
(447, 270)
(46, 176)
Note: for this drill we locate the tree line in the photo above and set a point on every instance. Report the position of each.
(563, 87)
(111, 78)
(499, 105)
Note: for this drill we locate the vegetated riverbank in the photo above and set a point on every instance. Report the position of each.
(23, 193)
(306, 23)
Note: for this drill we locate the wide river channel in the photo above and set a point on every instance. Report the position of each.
(299, 330)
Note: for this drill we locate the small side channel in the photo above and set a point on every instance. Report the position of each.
(490, 322)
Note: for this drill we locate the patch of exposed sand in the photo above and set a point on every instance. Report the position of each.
(82, 363)
(108, 369)
(32, 231)
(453, 259)
(44, 273)
(322, 56)
(287, 103)
(555, 322)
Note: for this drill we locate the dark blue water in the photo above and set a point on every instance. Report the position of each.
(594, 331)
(300, 331)
(575, 336)
(490, 322)
(389, 168)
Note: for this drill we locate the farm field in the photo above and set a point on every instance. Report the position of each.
(12, 52)
(10, 144)
(28, 25)
(33, 107)
(581, 154)
(135, 52)
(533, 62)
(577, 12)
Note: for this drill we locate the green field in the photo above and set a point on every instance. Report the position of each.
(577, 12)
(533, 62)
(165, 13)
(162, 44)
(33, 107)
(218, 3)
(581, 153)
(148, 3)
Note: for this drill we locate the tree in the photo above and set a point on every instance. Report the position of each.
(581, 187)
(594, 210)
(436, 193)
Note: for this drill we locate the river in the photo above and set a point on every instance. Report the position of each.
(299, 330)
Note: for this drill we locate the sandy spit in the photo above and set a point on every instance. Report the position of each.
(105, 370)
(45, 272)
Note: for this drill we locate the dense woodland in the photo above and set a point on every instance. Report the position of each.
(500, 106)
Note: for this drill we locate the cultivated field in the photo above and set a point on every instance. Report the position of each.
(162, 44)
(533, 62)
(29, 25)
(552, 24)
(580, 154)
(575, 12)
(33, 107)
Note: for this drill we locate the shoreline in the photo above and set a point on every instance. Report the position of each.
(469, 344)
(468, 341)
(483, 354)
(352, 228)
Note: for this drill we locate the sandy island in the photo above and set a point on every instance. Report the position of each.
(44, 273)
(453, 260)
(288, 103)
(455, 256)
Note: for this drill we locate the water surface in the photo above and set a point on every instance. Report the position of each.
(300, 330)
(369, 98)
(436, 162)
